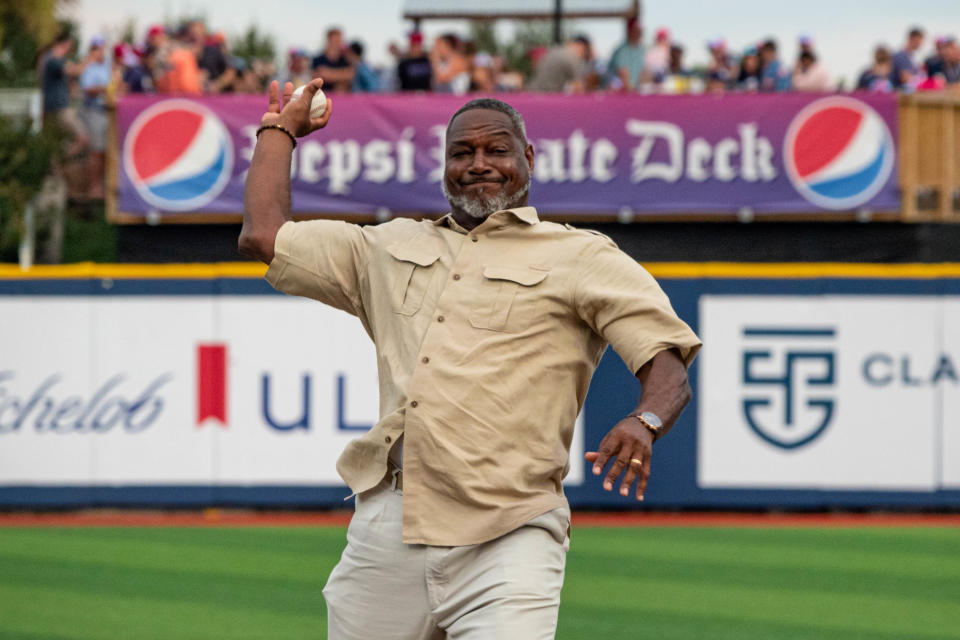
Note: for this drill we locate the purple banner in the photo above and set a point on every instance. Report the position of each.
(602, 154)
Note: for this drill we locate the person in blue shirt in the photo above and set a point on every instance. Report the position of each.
(93, 83)
(626, 63)
(904, 67)
(365, 79)
(774, 75)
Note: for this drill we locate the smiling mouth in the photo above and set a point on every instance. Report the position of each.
(482, 183)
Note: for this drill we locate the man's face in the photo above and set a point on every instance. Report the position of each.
(487, 167)
(335, 41)
(915, 41)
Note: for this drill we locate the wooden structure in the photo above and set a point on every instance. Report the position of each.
(930, 156)
(555, 10)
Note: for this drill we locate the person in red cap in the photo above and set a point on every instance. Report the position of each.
(626, 63)
(656, 63)
(414, 70)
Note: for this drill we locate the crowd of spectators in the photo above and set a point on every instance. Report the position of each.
(190, 60)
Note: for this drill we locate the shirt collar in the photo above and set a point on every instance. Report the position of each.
(524, 214)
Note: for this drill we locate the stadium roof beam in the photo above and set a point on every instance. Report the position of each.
(556, 10)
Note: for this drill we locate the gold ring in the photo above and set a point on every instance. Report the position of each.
(636, 461)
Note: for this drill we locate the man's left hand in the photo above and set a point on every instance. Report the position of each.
(626, 444)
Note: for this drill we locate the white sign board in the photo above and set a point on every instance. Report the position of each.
(829, 392)
(184, 390)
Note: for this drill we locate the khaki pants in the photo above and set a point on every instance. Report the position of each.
(382, 588)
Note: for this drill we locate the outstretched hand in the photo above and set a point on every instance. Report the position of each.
(294, 115)
(630, 445)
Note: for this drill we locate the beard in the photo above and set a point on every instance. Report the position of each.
(481, 208)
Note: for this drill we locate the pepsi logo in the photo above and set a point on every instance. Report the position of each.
(838, 153)
(178, 154)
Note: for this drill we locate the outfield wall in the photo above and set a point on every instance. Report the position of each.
(819, 385)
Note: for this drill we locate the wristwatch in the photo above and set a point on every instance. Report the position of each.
(651, 421)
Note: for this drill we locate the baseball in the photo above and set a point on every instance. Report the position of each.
(317, 106)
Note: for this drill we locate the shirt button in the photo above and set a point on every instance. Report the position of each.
(440, 318)
(475, 238)
(414, 404)
(456, 276)
(425, 360)
(388, 439)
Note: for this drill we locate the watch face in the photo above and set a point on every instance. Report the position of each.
(652, 419)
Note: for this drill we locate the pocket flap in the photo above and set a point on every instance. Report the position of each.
(421, 256)
(521, 275)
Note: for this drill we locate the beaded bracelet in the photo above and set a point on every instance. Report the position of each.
(278, 127)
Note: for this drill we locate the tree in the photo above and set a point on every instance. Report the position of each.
(528, 35)
(25, 28)
(253, 45)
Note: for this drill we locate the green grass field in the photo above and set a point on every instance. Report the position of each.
(659, 583)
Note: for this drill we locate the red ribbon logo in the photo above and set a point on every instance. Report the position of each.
(212, 383)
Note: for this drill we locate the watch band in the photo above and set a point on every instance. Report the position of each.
(652, 429)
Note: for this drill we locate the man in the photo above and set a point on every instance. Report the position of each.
(94, 82)
(488, 325)
(774, 76)
(55, 72)
(626, 63)
(332, 64)
(563, 68)
(415, 71)
(951, 62)
(365, 79)
(905, 68)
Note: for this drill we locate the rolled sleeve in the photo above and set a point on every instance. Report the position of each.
(624, 305)
(321, 259)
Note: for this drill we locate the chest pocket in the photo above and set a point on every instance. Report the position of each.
(413, 271)
(508, 298)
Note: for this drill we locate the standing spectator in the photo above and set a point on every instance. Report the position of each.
(951, 62)
(879, 77)
(678, 76)
(722, 69)
(656, 62)
(904, 67)
(563, 68)
(934, 64)
(451, 73)
(130, 73)
(179, 72)
(774, 76)
(213, 63)
(332, 65)
(365, 79)
(626, 63)
(414, 70)
(56, 70)
(298, 67)
(94, 82)
(484, 73)
(748, 78)
(810, 75)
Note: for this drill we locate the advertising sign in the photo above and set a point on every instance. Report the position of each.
(597, 154)
(183, 390)
(827, 392)
(194, 385)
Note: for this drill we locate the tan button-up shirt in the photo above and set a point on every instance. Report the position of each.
(486, 342)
